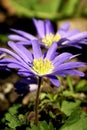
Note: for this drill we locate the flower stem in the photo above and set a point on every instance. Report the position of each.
(37, 102)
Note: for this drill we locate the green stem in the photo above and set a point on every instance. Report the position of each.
(37, 102)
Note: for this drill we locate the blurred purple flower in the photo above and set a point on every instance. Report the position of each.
(64, 37)
(26, 85)
(36, 64)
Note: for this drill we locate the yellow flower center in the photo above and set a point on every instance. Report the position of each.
(42, 66)
(50, 38)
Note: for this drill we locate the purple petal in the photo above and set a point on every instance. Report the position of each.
(36, 49)
(64, 27)
(83, 41)
(20, 61)
(51, 51)
(69, 42)
(61, 33)
(69, 65)
(62, 58)
(71, 33)
(18, 65)
(70, 72)
(77, 46)
(14, 65)
(39, 24)
(24, 42)
(10, 61)
(54, 80)
(49, 27)
(74, 72)
(19, 50)
(24, 34)
(24, 73)
(10, 53)
(79, 36)
(73, 43)
(25, 51)
(17, 38)
(61, 41)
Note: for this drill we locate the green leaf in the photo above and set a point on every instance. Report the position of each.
(52, 115)
(76, 121)
(42, 96)
(67, 107)
(48, 6)
(45, 126)
(85, 9)
(28, 4)
(42, 126)
(13, 121)
(3, 38)
(14, 109)
(70, 7)
(67, 93)
(70, 84)
(44, 102)
(37, 8)
(81, 86)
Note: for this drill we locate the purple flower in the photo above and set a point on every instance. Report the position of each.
(46, 35)
(25, 85)
(36, 64)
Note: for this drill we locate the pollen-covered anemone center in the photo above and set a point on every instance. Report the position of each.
(50, 38)
(42, 66)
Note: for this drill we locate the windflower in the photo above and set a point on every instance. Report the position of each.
(25, 85)
(47, 36)
(36, 64)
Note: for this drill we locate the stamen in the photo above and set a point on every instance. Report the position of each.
(50, 38)
(42, 66)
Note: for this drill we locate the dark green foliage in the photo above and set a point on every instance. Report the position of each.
(13, 119)
(42, 126)
(57, 111)
(76, 121)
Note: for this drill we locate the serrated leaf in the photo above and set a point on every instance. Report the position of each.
(34, 127)
(44, 102)
(13, 121)
(45, 126)
(14, 109)
(76, 121)
(67, 107)
(42, 126)
(67, 93)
